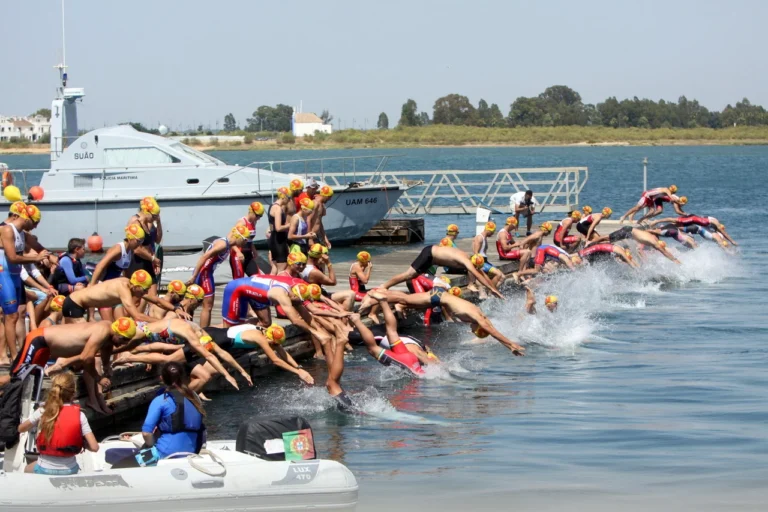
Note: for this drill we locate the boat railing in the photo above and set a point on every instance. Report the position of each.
(556, 189)
(25, 179)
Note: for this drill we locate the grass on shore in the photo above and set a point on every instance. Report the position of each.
(444, 135)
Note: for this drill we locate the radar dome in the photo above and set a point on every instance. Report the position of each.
(163, 129)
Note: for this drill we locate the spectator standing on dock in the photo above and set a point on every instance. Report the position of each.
(70, 274)
(144, 256)
(63, 430)
(277, 232)
(523, 203)
(245, 262)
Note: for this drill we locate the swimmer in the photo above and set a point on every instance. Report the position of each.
(597, 252)
(317, 262)
(451, 233)
(414, 345)
(120, 291)
(706, 234)
(550, 302)
(493, 273)
(534, 240)
(648, 200)
(457, 307)
(544, 254)
(277, 233)
(669, 231)
(54, 312)
(207, 263)
(480, 242)
(359, 277)
(321, 198)
(508, 250)
(586, 226)
(175, 294)
(76, 345)
(244, 262)
(270, 340)
(640, 236)
(705, 222)
(561, 237)
(299, 233)
(447, 256)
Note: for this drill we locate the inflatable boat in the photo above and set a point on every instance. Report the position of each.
(219, 478)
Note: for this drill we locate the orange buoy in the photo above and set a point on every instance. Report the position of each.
(7, 178)
(95, 243)
(36, 193)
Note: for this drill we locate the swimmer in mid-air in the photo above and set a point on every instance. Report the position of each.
(550, 302)
(648, 200)
(640, 236)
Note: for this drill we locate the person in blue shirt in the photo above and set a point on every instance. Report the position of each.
(70, 274)
(174, 422)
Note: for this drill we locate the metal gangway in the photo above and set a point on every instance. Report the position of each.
(445, 192)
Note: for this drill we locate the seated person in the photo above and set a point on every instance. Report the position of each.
(63, 430)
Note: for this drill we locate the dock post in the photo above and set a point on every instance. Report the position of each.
(645, 173)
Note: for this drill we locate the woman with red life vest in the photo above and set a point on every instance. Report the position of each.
(206, 265)
(561, 237)
(244, 263)
(63, 430)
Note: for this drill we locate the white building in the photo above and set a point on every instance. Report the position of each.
(306, 123)
(30, 128)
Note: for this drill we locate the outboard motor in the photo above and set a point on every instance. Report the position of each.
(276, 438)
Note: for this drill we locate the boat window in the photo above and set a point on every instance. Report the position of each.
(129, 157)
(196, 155)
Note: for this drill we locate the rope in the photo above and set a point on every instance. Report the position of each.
(215, 458)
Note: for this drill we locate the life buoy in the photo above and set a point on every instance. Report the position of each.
(7, 178)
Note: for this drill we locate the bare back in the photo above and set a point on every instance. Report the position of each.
(106, 294)
(69, 340)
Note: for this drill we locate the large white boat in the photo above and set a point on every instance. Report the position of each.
(96, 181)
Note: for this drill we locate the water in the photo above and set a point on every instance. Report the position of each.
(645, 389)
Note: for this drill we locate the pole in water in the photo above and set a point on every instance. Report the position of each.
(645, 173)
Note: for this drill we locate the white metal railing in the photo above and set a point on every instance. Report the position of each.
(556, 189)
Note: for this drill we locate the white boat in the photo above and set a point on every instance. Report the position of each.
(218, 479)
(96, 181)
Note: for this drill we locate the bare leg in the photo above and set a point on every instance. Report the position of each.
(335, 362)
(199, 377)
(368, 338)
(346, 298)
(400, 278)
(205, 314)
(10, 336)
(95, 399)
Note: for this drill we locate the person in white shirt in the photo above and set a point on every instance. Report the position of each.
(523, 203)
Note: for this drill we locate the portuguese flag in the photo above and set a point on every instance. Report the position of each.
(299, 445)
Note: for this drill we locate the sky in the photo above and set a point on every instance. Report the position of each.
(185, 63)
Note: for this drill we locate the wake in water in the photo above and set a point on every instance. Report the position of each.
(588, 294)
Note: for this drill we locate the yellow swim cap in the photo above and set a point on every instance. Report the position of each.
(446, 242)
(177, 287)
(490, 226)
(275, 333)
(363, 256)
(315, 292)
(551, 299)
(576, 215)
(301, 291)
(511, 221)
(673, 188)
(283, 192)
(480, 332)
(452, 229)
(141, 278)
(57, 303)
(149, 205)
(684, 200)
(546, 227)
(296, 184)
(33, 213)
(125, 327)
(315, 251)
(607, 212)
(575, 258)
(326, 191)
(195, 291)
(586, 209)
(662, 244)
(307, 204)
(241, 232)
(296, 258)
(257, 208)
(455, 291)
(134, 232)
(477, 260)
(19, 208)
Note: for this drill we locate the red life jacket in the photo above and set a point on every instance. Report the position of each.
(67, 438)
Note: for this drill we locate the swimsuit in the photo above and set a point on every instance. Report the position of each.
(278, 240)
(561, 235)
(116, 268)
(514, 254)
(624, 233)
(545, 252)
(35, 351)
(239, 267)
(205, 277)
(71, 309)
(423, 261)
(241, 293)
(11, 288)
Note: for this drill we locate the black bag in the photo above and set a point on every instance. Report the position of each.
(276, 438)
(10, 412)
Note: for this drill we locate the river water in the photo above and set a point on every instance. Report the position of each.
(645, 389)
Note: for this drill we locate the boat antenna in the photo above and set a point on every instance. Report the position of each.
(63, 66)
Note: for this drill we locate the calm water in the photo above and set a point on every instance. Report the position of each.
(644, 390)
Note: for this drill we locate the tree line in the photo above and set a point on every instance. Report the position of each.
(560, 105)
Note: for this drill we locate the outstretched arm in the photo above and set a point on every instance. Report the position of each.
(490, 329)
(530, 301)
(480, 276)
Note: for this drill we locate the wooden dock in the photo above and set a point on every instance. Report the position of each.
(395, 231)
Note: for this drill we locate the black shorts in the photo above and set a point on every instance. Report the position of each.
(582, 228)
(71, 309)
(65, 288)
(191, 359)
(219, 336)
(423, 261)
(278, 246)
(624, 233)
(139, 263)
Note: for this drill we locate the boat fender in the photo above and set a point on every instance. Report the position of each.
(7, 178)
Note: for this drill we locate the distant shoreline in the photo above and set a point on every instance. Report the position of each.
(441, 136)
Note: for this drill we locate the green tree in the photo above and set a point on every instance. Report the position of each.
(563, 105)
(271, 119)
(326, 117)
(526, 112)
(409, 114)
(454, 109)
(383, 123)
(495, 117)
(424, 119)
(44, 112)
(483, 113)
(230, 125)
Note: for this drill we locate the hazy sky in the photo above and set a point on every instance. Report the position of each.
(191, 62)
